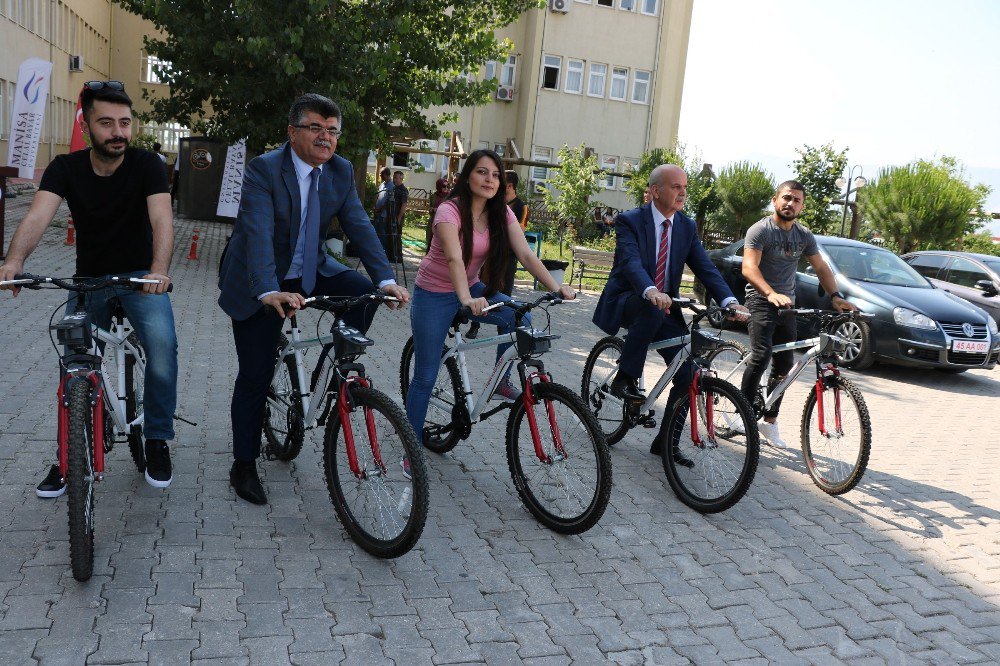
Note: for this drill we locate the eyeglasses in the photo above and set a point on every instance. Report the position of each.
(100, 85)
(316, 130)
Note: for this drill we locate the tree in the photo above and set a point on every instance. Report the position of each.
(576, 180)
(818, 169)
(744, 190)
(235, 67)
(924, 204)
(980, 243)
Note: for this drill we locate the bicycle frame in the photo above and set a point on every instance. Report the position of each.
(476, 406)
(294, 348)
(684, 342)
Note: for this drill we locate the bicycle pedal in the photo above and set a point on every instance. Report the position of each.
(649, 423)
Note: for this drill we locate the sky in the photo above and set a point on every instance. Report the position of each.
(890, 80)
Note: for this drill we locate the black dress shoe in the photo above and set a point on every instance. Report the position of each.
(624, 387)
(656, 449)
(244, 480)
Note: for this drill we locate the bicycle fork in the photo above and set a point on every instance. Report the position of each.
(828, 375)
(536, 436)
(693, 391)
(344, 408)
(97, 421)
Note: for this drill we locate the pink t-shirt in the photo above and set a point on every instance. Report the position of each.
(433, 272)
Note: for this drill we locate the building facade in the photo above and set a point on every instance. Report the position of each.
(85, 40)
(604, 73)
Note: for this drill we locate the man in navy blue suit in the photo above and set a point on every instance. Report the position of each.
(653, 242)
(276, 258)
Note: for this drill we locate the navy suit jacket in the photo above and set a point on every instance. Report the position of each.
(267, 228)
(635, 264)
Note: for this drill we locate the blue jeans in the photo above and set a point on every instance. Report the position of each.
(431, 313)
(153, 320)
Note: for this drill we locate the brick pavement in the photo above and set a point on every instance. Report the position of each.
(904, 569)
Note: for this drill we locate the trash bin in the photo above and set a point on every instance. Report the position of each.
(557, 268)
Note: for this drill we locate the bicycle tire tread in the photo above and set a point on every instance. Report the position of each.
(864, 417)
(81, 536)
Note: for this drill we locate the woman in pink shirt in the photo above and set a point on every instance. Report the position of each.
(475, 233)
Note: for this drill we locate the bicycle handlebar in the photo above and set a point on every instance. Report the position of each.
(520, 308)
(29, 281)
(337, 304)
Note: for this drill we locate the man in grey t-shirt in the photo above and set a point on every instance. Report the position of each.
(770, 257)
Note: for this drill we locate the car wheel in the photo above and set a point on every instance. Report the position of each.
(858, 353)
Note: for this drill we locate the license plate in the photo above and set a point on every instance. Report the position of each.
(970, 346)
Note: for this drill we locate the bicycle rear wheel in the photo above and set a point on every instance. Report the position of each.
(284, 426)
(135, 387)
(727, 361)
(712, 474)
(382, 510)
(837, 460)
(80, 480)
(568, 491)
(441, 409)
(598, 371)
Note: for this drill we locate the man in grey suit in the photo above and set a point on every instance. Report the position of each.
(276, 258)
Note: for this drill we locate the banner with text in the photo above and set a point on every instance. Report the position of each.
(27, 114)
(232, 180)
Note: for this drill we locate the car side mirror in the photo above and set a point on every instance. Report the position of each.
(810, 270)
(987, 287)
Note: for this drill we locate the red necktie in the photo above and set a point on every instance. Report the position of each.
(661, 259)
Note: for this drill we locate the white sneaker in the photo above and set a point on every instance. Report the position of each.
(507, 391)
(734, 424)
(769, 432)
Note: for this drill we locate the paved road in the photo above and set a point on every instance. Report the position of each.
(904, 569)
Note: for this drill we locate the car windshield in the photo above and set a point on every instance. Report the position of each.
(871, 264)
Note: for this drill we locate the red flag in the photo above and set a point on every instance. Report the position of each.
(77, 142)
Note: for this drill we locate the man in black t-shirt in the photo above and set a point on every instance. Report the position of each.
(120, 203)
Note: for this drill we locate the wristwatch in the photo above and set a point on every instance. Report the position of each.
(838, 294)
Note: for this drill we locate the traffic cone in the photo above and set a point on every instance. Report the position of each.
(193, 254)
(70, 232)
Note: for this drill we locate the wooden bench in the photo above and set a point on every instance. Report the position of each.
(590, 264)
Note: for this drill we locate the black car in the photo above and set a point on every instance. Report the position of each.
(915, 323)
(974, 277)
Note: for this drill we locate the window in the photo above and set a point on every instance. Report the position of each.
(428, 162)
(609, 163)
(965, 273)
(400, 160)
(628, 5)
(649, 6)
(619, 83)
(508, 71)
(499, 148)
(598, 75)
(574, 76)
(928, 265)
(491, 70)
(550, 72)
(168, 134)
(640, 87)
(539, 154)
(629, 165)
(148, 65)
(372, 158)
(606, 3)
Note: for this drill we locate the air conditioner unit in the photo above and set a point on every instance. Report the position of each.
(76, 63)
(561, 6)
(505, 93)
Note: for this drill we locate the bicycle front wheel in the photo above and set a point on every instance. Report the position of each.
(568, 489)
(440, 433)
(837, 460)
(382, 509)
(135, 389)
(711, 462)
(80, 480)
(727, 361)
(284, 426)
(598, 371)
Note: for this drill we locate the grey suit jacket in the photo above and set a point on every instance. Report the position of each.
(267, 228)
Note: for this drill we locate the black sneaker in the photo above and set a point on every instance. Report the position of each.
(52, 485)
(158, 472)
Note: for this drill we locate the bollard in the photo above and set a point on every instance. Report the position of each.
(70, 232)
(193, 254)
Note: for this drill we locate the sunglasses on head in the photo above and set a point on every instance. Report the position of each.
(100, 85)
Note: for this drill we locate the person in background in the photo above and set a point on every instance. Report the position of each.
(383, 207)
(441, 189)
(400, 197)
(521, 215)
(159, 153)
